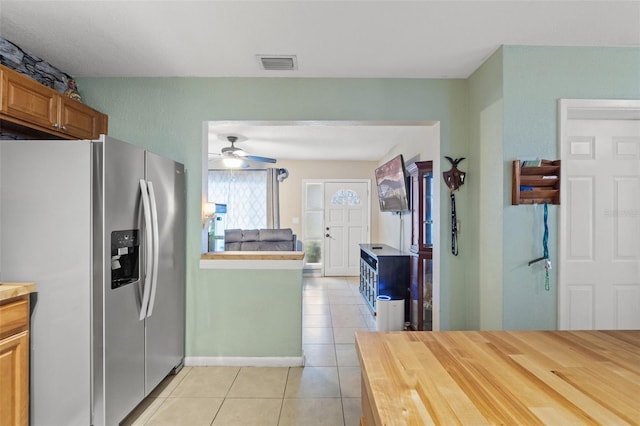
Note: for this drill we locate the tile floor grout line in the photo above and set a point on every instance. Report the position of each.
(344, 303)
(284, 394)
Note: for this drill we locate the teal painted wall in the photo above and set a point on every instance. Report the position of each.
(534, 79)
(245, 313)
(166, 116)
(506, 110)
(484, 270)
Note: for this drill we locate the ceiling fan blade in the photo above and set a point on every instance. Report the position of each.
(234, 152)
(260, 159)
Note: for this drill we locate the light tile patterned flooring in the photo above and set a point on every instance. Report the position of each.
(324, 392)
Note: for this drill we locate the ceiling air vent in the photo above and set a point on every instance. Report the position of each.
(278, 62)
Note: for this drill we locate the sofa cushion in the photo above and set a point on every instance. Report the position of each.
(232, 235)
(285, 234)
(265, 246)
(250, 235)
(260, 240)
(250, 246)
(277, 245)
(235, 246)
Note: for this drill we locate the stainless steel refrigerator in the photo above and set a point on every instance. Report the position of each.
(99, 226)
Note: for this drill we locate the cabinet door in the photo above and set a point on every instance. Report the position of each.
(77, 119)
(415, 210)
(14, 382)
(421, 203)
(421, 271)
(425, 202)
(26, 99)
(34, 106)
(415, 313)
(421, 303)
(426, 291)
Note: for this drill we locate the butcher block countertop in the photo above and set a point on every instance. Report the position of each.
(500, 377)
(11, 290)
(246, 260)
(254, 255)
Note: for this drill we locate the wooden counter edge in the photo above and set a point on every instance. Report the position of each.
(14, 289)
(253, 255)
(369, 411)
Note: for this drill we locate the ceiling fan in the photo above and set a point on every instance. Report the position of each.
(233, 156)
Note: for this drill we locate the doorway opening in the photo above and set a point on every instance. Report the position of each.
(336, 219)
(335, 150)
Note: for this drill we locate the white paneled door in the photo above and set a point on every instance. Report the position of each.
(599, 270)
(346, 221)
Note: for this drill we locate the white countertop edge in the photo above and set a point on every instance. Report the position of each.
(251, 264)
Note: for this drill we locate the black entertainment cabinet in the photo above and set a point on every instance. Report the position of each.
(384, 271)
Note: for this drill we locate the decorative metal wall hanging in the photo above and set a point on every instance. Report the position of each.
(454, 179)
(545, 248)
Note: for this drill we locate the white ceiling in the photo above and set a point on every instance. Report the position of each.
(404, 39)
(313, 140)
(361, 39)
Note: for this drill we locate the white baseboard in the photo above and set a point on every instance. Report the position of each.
(241, 361)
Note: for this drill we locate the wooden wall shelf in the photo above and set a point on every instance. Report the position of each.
(536, 184)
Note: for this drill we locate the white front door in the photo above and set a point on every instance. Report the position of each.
(346, 221)
(599, 270)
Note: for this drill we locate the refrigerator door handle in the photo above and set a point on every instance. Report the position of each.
(155, 247)
(148, 248)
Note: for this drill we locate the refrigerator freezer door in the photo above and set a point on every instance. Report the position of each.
(123, 332)
(45, 218)
(165, 326)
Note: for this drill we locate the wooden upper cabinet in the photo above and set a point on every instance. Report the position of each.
(30, 104)
(79, 120)
(26, 99)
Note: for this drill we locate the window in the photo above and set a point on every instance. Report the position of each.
(313, 221)
(345, 197)
(245, 194)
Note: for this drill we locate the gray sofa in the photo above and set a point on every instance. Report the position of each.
(260, 240)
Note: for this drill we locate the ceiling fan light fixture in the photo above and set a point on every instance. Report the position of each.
(278, 62)
(232, 163)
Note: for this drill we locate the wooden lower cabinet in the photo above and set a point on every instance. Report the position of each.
(14, 361)
(14, 374)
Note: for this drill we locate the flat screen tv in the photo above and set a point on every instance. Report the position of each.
(392, 186)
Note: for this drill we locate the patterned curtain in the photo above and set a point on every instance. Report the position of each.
(245, 194)
(251, 197)
(273, 199)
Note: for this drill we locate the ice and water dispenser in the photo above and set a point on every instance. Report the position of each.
(125, 257)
